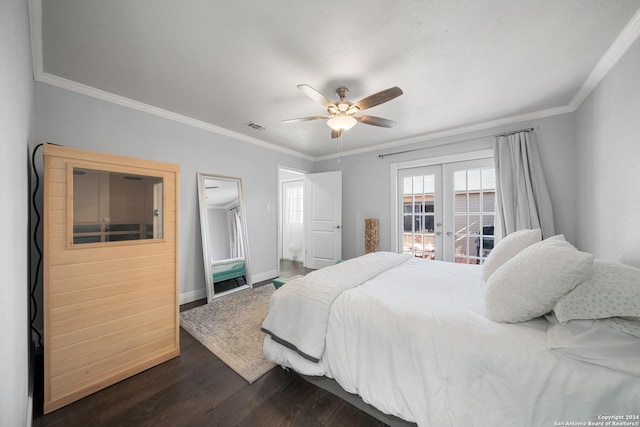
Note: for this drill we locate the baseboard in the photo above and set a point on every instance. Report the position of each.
(192, 296)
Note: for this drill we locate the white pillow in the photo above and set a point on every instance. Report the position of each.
(507, 248)
(611, 290)
(556, 238)
(530, 283)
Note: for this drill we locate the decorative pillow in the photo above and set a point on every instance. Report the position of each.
(507, 248)
(530, 283)
(556, 238)
(594, 341)
(611, 290)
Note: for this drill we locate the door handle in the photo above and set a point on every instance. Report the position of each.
(337, 227)
(449, 233)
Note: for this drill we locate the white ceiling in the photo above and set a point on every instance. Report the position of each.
(462, 64)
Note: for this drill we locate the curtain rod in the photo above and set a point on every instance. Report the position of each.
(382, 156)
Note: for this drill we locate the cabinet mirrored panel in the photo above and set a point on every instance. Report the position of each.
(224, 235)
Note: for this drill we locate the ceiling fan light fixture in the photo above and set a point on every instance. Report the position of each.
(341, 123)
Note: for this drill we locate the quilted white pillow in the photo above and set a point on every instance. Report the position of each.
(507, 248)
(530, 283)
(611, 290)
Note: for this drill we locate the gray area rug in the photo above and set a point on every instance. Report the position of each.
(230, 328)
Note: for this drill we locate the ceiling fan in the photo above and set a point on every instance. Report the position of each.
(343, 115)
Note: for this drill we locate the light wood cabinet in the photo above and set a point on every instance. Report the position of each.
(110, 270)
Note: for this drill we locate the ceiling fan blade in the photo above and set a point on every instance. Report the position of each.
(315, 95)
(375, 121)
(379, 98)
(335, 133)
(305, 119)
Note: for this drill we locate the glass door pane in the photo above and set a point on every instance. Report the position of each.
(420, 207)
(470, 190)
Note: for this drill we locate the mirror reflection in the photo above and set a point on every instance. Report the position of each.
(224, 243)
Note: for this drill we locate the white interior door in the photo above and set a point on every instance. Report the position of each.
(323, 219)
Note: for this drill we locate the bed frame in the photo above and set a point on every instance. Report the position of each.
(333, 387)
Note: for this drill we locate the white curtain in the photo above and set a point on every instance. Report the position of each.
(292, 220)
(522, 194)
(235, 234)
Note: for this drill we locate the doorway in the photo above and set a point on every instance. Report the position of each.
(291, 217)
(309, 218)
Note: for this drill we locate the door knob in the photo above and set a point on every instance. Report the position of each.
(337, 227)
(449, 233)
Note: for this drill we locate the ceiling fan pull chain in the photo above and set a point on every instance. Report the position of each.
(340, 158)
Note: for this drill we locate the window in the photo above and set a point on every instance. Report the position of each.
(294, 204)
(112, 206)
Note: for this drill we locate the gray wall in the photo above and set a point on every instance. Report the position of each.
(608, 151)
(366, 177)
(79, 121)
(16, 111)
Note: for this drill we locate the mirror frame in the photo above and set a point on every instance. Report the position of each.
(204, 229)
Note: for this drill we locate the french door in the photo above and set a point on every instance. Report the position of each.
(447, 211)
(421, 211)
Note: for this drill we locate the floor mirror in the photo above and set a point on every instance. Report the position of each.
(224, 235)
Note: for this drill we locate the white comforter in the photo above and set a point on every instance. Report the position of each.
(413, 342)
(299, 313)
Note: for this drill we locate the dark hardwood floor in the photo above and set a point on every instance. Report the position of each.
(198, 389)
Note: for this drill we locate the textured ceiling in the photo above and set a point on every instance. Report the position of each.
(460, 63)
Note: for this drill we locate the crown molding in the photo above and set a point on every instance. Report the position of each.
(35, 19)
(150, 109)
(455, 131)
(618, 48)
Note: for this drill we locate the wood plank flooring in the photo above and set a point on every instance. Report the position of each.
(198, 389)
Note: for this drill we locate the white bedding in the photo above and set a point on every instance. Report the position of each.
(414, 342)
(299, 313)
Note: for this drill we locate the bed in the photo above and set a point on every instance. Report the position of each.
(412, 337)
(228, 269)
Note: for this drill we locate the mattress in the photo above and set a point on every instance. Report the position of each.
(413, 341)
